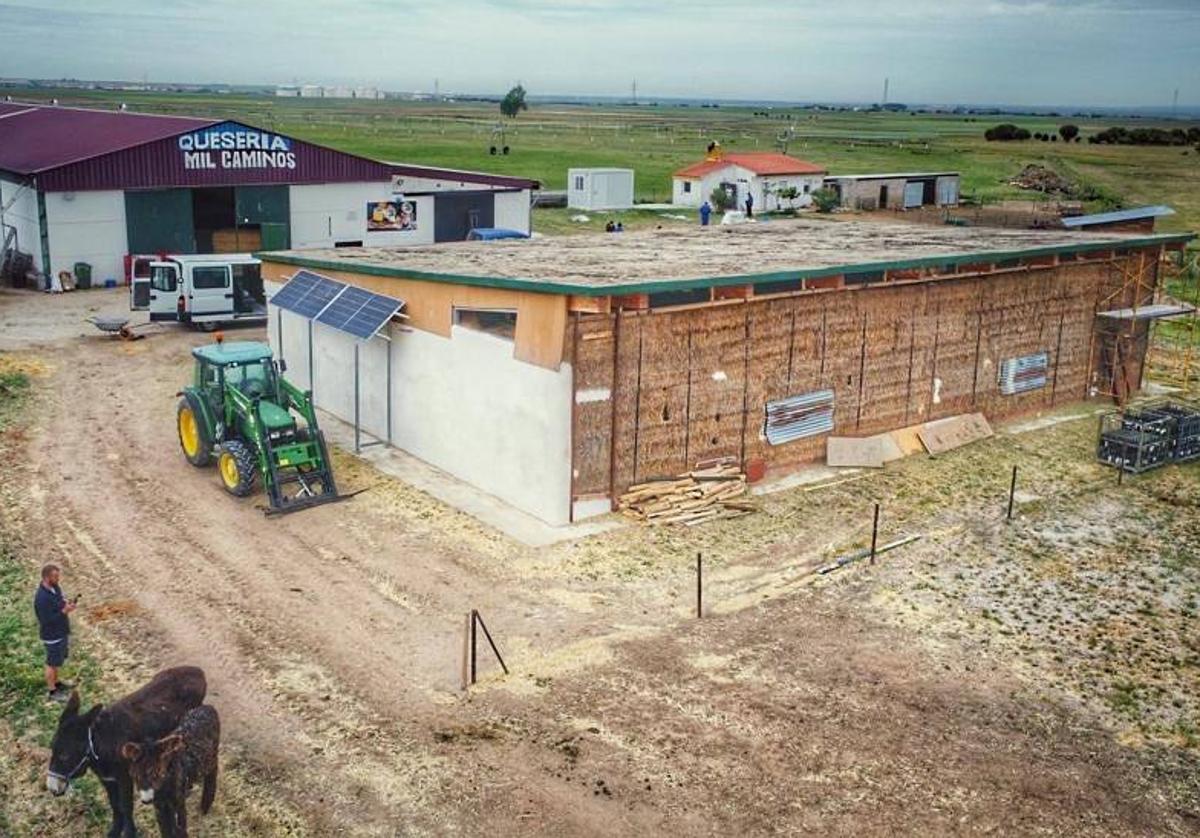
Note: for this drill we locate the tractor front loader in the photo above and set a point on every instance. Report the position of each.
(242, 412)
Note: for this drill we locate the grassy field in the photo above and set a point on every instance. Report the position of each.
(654, 141)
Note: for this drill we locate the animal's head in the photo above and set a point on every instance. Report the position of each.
(69, 748)
(149, 761)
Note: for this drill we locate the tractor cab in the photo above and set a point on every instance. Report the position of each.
(248, 368)
(242, 411)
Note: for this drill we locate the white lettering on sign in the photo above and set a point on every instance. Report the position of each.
(236, 147)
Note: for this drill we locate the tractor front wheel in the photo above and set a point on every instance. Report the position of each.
(238, 467)
(192, 438)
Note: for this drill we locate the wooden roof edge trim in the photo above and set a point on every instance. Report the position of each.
(653, 286)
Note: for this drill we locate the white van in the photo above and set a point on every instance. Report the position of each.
(201, 289)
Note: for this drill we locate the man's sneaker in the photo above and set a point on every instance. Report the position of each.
(58, 694)
(64, 686)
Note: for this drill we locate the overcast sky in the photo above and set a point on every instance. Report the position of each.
(1029, 52)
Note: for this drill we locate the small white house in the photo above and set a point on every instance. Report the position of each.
(766, 175)
(599, 189)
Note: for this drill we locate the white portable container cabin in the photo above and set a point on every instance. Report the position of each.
(599, 189)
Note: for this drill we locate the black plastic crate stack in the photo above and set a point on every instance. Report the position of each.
(1138, 441)
(1187, 431)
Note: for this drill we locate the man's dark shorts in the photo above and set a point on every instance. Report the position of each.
(56, 653)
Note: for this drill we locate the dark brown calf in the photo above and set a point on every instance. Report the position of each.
(164, 770)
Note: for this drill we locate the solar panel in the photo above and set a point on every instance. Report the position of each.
(307, 294)
(360, 312)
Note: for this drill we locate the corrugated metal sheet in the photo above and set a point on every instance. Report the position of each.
(1019, 375)
(1135, 214)
(35, 138)
(798, 417)
(914, 194)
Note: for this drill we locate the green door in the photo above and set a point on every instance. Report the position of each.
(274, 236)
(160, 221)
(269, 207)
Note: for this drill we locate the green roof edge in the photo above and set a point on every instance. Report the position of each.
(653, 286)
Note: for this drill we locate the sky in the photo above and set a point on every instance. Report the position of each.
(1020, 52)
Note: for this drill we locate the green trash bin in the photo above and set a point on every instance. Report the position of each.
(83, 275)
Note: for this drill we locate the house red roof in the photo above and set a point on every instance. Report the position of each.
(759, 162)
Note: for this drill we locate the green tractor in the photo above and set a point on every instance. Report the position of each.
(242, 411)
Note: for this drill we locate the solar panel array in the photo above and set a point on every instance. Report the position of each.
(344, 307)
(307, 294)
(359, 312)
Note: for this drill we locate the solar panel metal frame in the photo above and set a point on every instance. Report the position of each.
(359, 312)
(313, 294)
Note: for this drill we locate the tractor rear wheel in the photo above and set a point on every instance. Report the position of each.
(238, 467)
(192, 439)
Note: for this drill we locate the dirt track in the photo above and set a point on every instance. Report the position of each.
(332, 638)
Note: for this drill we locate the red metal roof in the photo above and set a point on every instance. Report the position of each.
(35, 138)
(759, 162)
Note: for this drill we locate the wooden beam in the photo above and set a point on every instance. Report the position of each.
(632, 302)
(589, 305)
(733, 292)
(820, 282)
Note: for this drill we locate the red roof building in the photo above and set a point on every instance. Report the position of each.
(765, 178)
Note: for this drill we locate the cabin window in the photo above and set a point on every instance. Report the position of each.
(501, 323)
(209, 278)
(579, 183)
(687, 186)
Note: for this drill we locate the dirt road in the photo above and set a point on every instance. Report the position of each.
(332, 642)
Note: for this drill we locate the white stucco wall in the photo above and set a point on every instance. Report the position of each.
(745, 179)
(88, 227)
(463, 404)
(512, 211)
(23, 215)
(322, 215)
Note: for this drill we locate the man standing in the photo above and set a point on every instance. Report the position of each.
(705, 212)
(54, 628)
(749, 204)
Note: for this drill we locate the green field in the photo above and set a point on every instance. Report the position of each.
(654, 141)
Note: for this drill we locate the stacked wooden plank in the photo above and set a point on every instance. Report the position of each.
(712, 491)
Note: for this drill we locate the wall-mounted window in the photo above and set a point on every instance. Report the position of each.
(579, 182)
(209, 278)
(809, 414)
(501, 323)
(807, 188)
(687, 186)
(1020, 375)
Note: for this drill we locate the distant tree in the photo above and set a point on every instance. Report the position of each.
(825, 199)
(513, 102)
(1006, 131)
(1068, 132)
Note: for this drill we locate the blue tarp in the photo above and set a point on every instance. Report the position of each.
(488, 234)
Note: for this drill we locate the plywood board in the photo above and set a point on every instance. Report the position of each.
(954, 432)
(857, 452)
(908, 440)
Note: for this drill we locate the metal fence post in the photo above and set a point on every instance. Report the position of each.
(874, 533)
(1012, 492)
(699, 587)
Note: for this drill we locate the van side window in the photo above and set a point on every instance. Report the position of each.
(163, 279)
(214, 277)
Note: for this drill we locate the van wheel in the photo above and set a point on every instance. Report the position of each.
(207, 326)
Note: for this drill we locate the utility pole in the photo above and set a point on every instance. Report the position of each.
(635, 91)
(436, 94)
(1175, 104)
(885, 89)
